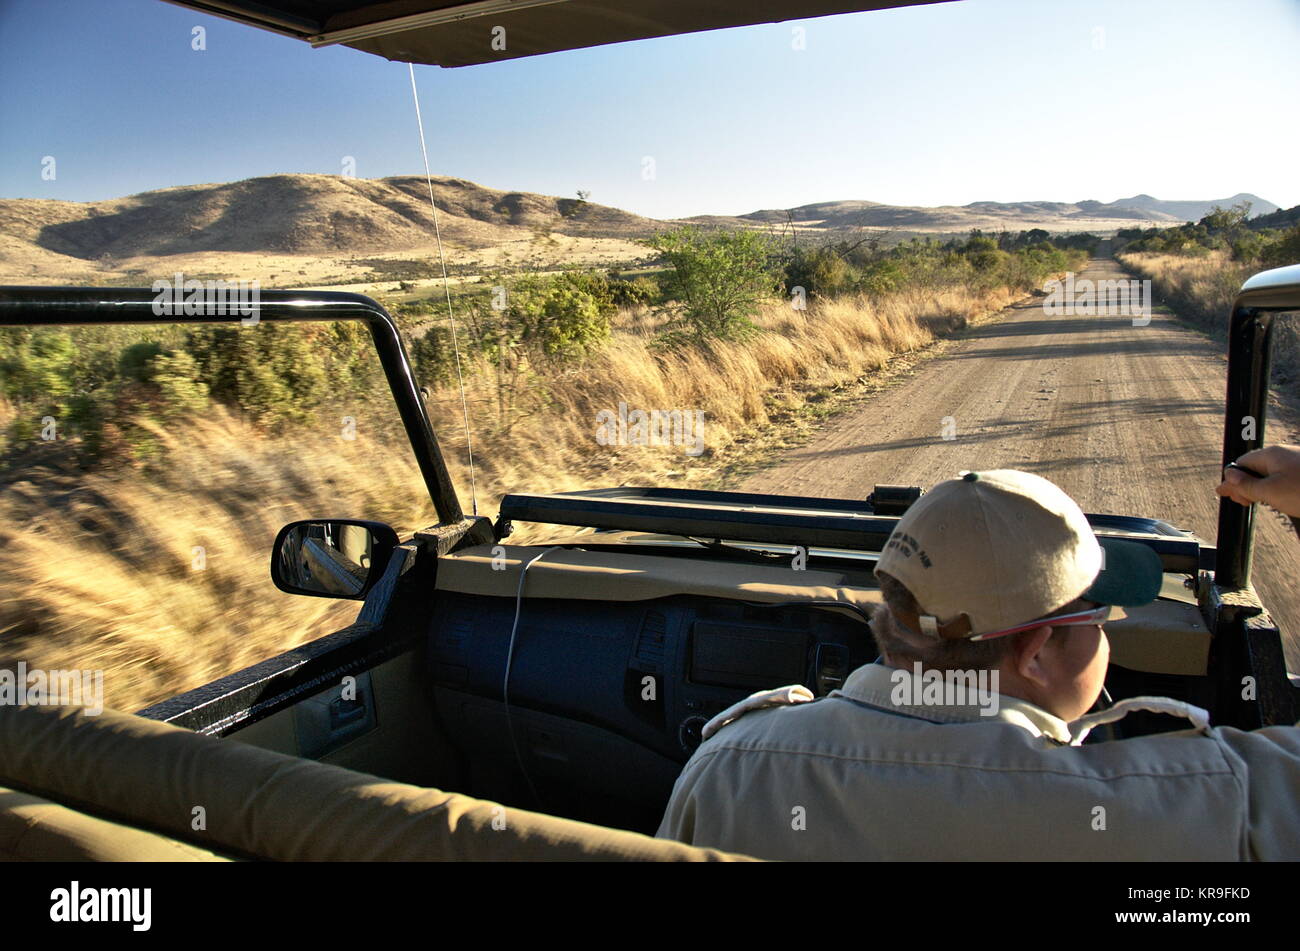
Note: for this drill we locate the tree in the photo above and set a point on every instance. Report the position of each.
(1283, 250)
(1226, 221)
(719, 280)
(542, 322)
(570, 208)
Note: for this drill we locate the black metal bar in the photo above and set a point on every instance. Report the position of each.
(52, 306)
(1249, 338)
(735, 523)
(779, 520)
(857, 507)
(711, 496)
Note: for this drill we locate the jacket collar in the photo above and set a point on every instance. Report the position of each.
(904, 692)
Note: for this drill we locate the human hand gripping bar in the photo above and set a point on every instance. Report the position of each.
(1295, 520)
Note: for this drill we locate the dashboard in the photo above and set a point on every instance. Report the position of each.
(593, 683)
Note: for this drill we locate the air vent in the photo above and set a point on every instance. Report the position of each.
(644, 681)
(649, 652)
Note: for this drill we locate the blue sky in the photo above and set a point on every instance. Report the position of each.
(999, 100)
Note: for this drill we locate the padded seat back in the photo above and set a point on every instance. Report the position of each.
(33, 829)
(129, 774)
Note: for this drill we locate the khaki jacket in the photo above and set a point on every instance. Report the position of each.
(858, 776)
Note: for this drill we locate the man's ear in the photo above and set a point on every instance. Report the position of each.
(1026, 651)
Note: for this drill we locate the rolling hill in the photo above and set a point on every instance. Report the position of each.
(300, 214)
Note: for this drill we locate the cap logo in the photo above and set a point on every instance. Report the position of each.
(907, 546)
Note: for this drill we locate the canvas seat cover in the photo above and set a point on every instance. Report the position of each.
(91, 784)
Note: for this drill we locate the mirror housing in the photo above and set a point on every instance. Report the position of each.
(1277, 289)
(331, 558)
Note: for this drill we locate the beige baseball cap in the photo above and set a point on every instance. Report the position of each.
(993, 550)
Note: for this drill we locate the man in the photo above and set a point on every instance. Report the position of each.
(963, 740)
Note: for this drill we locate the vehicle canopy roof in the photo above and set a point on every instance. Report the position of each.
(461, 34)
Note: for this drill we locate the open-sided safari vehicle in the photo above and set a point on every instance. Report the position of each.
(569, 681)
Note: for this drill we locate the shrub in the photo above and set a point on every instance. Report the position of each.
(640, 291)
(434, 357)
(560, 318)
(36, 366)
(277, 374)
(718, 282)
(821, 271)
(1283, 250)
(545, 323)
(119, 423)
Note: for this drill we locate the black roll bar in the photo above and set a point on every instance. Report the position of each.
(1250, 332)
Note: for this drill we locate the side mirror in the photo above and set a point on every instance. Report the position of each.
(334, 558)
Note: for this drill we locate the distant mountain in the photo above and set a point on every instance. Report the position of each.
(1157, 210)
(1051, 215)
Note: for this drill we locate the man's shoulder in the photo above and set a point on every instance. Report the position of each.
(831, 725)
(793, 707)
(837, 727)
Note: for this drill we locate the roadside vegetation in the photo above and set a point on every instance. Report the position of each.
(1198, 268)
(146, 470)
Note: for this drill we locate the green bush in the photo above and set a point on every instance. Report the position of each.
(283, 374)
(109, 387)
(1282, 250)
(1019, 260)
(822, 271)
(640, 291)
(434, 357)
(884, 277)
(560, 318)
(156, 388)
(36, 366)
(1222, 229)
(1248, 247)
(718, 281)
(542, 324)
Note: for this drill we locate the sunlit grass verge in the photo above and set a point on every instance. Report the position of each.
(1200, 288)
(549, 442)
(164, 583)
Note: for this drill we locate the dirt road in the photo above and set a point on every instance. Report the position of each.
(1126, 419)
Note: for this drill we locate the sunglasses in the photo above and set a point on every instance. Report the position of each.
(1097, 615)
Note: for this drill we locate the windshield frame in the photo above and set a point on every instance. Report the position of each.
(63, 306)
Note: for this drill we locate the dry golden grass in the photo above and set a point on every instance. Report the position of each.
(99, 571)
(96, 569)
(1201, 288)
(736, 385)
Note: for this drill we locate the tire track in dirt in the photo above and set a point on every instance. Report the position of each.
(1128, 420)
